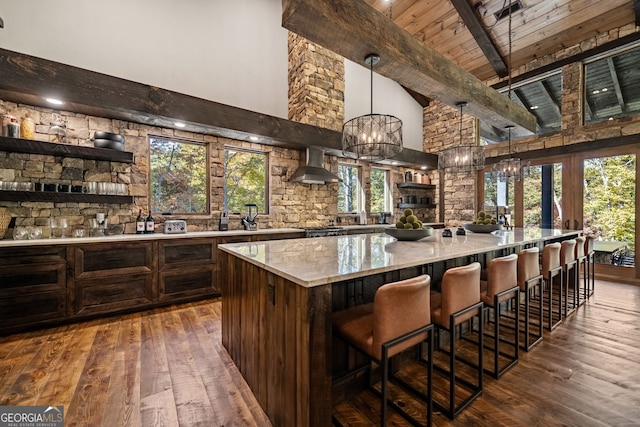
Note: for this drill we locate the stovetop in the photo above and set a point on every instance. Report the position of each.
(323, 227)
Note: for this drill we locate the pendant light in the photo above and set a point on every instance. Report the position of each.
(372, 137)
(461, 158)
(512, 169)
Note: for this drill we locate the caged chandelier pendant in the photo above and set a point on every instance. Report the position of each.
(372, 137)
(461, 158)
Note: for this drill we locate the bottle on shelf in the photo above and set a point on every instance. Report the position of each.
(140, 223)
(149, 225)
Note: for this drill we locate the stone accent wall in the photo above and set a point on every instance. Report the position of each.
(292, 204)
(316, 84)
(441, 126)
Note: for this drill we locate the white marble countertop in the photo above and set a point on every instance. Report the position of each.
(140, 237)
(321, 260)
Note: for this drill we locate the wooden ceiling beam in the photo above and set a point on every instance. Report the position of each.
(354, 29)
(28, 80)
(636, 9)
(481, 36)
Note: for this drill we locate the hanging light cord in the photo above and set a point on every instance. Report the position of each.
(371, 82)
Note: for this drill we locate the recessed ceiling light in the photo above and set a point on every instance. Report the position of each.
(610, 118)
(54, 101)
(595, 92)
(394, 163)
(179, 124)
(254, 138)
(604, 89)
(424, 168)
(534, 107)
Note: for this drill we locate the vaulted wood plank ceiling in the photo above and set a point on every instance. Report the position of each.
(540, 27)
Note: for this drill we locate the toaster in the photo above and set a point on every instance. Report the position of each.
(175, 226)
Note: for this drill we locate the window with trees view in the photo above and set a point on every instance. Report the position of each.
(245, 179)
(349, 189)
(178, 176)
(380, 191)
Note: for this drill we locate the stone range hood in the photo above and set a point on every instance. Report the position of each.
(313, 171)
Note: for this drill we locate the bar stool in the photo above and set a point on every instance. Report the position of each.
(398, 319)
(591, 271)
(457, 302)
(501, 287)
(581, 261)
(569, 273)
(551, 269)
(530, 283)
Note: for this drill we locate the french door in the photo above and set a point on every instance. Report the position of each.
(593, 191)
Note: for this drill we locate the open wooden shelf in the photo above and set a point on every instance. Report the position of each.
(415, 206)
(18, 145)
(416, 185)
(50, 196)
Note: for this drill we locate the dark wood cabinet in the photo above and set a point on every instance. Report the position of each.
(109, 277)
(187, 268)
(33, 286)
(43, 285)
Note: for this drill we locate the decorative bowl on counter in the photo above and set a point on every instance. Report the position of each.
(482, 228)
(409, 234)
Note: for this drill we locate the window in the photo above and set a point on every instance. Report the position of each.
(380, 191)
(612, 87)
(178, 176)
(245, 179)
(541, 97)
(349, 190)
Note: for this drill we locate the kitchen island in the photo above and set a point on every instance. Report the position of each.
(278, 297)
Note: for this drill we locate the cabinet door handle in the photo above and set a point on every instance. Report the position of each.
(576, 223)
(566, 224)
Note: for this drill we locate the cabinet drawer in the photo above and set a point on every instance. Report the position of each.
(181, 253)
(20, 256)
(113, 259)
(177, 284)
(26, 309)
(113, 293)
(20, 280)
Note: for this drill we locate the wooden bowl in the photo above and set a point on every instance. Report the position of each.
(482, 228)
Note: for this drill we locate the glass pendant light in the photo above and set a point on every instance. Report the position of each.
(461, 158)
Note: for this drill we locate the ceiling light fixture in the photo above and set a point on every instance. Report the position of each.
(372, 137)
(54, 101)
(180, 124)
(511, 169)
(254, 138)
(461, 158)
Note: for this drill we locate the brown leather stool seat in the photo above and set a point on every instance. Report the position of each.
(551, 269)
(530, 283)
(398, 319)
(570, 275)
(502, 287)
(458, 302)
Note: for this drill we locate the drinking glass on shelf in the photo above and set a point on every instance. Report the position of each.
(20, 233)
(91, 187)
(62, 226)
(35, 233)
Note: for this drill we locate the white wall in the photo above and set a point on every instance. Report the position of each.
(232, 52)
(388, 98)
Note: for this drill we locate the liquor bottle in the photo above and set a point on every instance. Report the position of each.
(149, 225)
(140, 223)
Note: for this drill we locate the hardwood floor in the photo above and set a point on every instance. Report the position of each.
(167, 367)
